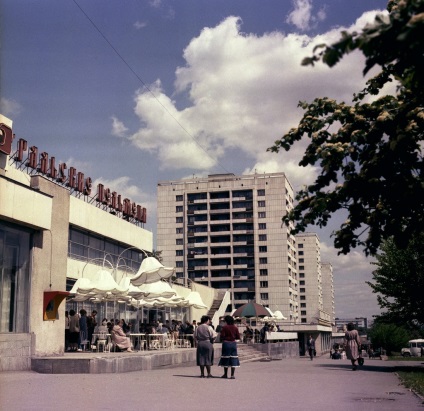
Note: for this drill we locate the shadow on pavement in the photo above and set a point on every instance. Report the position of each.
(365, 367)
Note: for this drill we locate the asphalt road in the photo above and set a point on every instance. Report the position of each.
(289, 384)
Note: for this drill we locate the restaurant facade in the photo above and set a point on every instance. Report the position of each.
(55, 227)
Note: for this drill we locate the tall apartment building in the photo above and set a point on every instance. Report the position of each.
(328, 290)
(316, 292)
(225, 231)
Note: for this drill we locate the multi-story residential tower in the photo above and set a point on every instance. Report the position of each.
(310, 281)
(226, 231)
(328, 290)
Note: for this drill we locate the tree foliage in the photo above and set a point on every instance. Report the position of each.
(389, 336)
(398, 282)
(371, 166)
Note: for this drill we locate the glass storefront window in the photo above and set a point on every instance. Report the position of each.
(14, 279)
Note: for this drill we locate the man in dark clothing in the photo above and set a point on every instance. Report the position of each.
(91, 325)
(311, 347)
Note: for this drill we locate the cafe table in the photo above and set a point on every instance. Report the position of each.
(138, 337)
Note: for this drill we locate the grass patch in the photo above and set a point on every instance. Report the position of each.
(400, 358)
(413, 379)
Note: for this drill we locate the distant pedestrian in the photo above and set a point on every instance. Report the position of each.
(91, 325)
(229, 357)
(311, 347)
(352, 344)
(204, 336)
(74, 330)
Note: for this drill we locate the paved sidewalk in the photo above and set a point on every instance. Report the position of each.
(289, 384)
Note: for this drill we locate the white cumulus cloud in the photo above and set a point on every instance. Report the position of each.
(9, 107)
(118, 128)
(302, 15)
(243, 91)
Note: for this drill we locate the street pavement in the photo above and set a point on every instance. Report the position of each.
(290, 384)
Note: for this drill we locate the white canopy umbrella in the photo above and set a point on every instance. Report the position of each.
(175, 301)
(151, 271)
(133, 291)
(157, 289)
(194, 300)
(278, 315)
(104, 283)
(81, 286)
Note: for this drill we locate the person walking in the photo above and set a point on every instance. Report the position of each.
(311, 347)
(204, 336)
(352, 344)
(229, 357)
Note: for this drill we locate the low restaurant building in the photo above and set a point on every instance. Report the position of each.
(55, 227)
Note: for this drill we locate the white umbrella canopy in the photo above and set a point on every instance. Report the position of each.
(175, 301)
(104, 283)
(142, 303)
(133, 291)
(151, 271)
(194, 300)
(278, 315)
(81, 286)
(157, 289)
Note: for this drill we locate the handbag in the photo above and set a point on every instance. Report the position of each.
(361, 361)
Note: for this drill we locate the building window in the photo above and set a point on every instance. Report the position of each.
(300, 245)
(261, 203)
(14, 279)
(303, 305)
(179, 264)
(264, 284)
(301, 267)
(262, 226)
(302, 290)
(300, 252)
(262, 214)
(303, 320)
(179, 220)
(303, 297)
(263, 271)
(179, 230)
(301, 275)
(301, 282)
(263, 248)
(261, 192)
(264, 296)
(179, 241)
(179, 209)
(263, 260)
(87, 246)
(301, 260)
(179, 252)
(262, 237)
(179, 198)
(303, 312)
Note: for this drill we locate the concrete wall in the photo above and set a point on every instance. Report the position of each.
(279, 350)
(21, 205)
(91, 218)
(118, 364)
(15, 352)
(49, 259)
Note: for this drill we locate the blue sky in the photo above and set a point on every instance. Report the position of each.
(134, 92)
